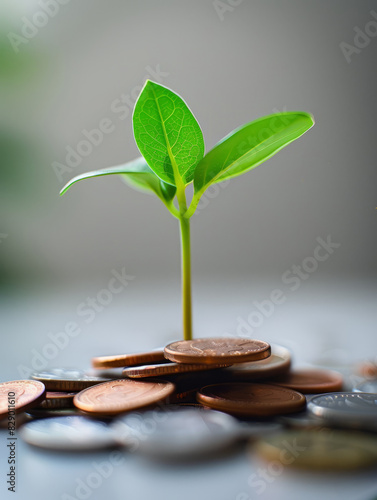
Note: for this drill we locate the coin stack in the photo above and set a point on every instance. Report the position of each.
(196, 397)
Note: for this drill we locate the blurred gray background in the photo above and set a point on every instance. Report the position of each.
(231, 64)
(232, 61)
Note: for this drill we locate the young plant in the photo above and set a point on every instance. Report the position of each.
(171, 142)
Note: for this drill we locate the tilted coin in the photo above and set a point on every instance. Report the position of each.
(369, 386)
(358, 409)
(117, 396)
(68, 433)
(313, 449)
(19, 395)
(248, 399)
(311, 381)
(122, 360)
(167, 369)
(57, 400)
(176, 433)
(217, 350)
(277, 364)
(60, 379)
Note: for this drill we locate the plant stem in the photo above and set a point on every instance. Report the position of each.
(186, 277)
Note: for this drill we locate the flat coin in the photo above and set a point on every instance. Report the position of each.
(166, 369)
(302, 420)
(247, 399)
(106, 373)
(19, 419)
(122, 360)
(176, 433)
(325, 449)
(68, 433)
(311, 381)
(60, 379)
(368, 369)
(369, 386)
(58, 400)
(346, 408)
(111, 398)
(277, 364)
(53, 412)
(19, 395)
(217, 350)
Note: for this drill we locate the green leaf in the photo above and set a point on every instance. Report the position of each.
(167, 134)
(248, 146)
(137, 174)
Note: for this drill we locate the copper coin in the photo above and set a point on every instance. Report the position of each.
(166, 369)
(368, 369)
(121, 360)
(61, 379)
(277, 364)
(311, 381)
(247, 399)
(118, 396)
(19, 395)
(58, 400)
(217, 350)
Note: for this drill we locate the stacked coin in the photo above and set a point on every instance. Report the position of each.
(249, 380)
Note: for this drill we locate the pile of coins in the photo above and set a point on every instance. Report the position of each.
(196, 397)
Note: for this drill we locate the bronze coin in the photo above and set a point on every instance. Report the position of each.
(121, 360)
(277, 364)
(166, 369)
(251, 400)
(117, 396)
(20, 395)
(62, 379)
(57, 400)
(217, 350)
(311, 381)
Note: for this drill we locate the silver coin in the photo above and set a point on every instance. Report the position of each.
(67, 379)
(179, 433)
(256, 430)
(301, 420)
(357, 409)
(68, 433)
(369, 386)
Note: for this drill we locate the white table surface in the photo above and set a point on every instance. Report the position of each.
(335, 321)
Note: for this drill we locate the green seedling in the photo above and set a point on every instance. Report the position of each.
(171, 142)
